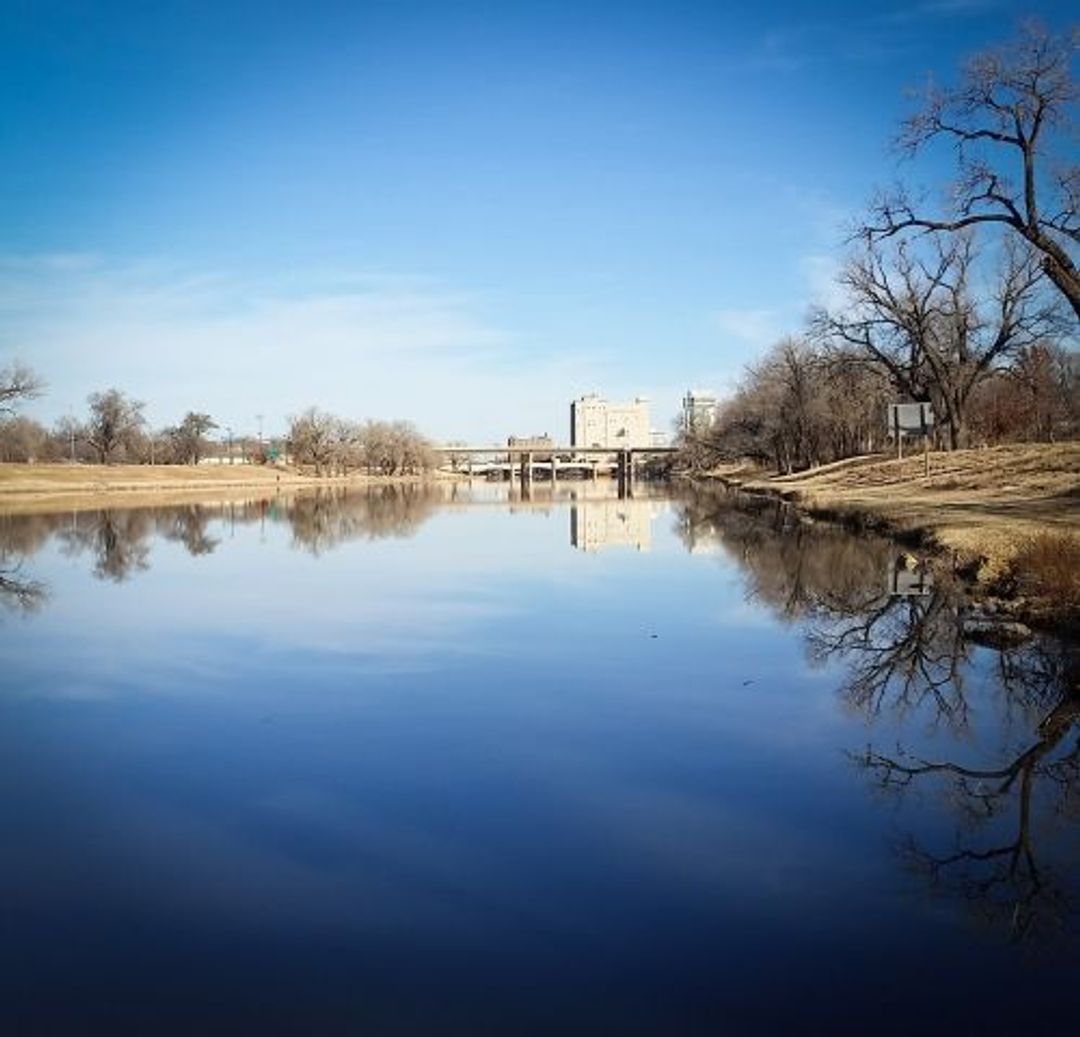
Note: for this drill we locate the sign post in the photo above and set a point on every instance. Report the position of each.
(913, 419)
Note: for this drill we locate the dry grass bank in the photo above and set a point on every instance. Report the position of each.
(986, 505)
(26, 487)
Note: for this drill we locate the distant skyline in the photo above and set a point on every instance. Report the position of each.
(462, 214)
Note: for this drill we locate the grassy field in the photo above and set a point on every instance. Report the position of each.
(986, 505)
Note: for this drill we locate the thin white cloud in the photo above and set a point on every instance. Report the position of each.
(932, 9)
(357, 343)
(819, 272)
(758, 327)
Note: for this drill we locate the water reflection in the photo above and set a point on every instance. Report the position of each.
(1007, 807)
(19, 590)
(322, 520)
(794, 567)
(995, 747)
(975, 749)
(901, 653)
(18, 593)
(596, 525)
(118, 540)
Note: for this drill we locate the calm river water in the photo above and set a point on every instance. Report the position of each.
(433, 760)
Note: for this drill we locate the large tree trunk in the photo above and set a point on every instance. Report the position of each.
(1060, 269)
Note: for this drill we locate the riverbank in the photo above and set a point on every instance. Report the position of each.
(26, 487)
(1007, 518)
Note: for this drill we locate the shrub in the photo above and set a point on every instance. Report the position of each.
(1047, 566)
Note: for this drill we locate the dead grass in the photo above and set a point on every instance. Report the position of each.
(1047, 566)
(984, 505)
(33, 488)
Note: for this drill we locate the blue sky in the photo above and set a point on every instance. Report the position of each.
(465, 214)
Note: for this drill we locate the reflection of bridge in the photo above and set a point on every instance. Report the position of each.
(527, 461)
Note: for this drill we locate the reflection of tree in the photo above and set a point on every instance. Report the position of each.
(902, 653)
(326, 518)
(906, 656)
(899, 650)
(795, 567)
(20, 593)
(17, 541)
(117, 540)
(187, 525)
(22, 536)
(1017, 799)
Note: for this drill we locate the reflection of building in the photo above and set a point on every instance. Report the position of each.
(596, 524)
(594, 422)
(698, 410)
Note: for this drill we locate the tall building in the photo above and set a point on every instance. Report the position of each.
(698, 410)
(594, 422)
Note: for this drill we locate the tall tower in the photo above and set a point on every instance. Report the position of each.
(698, 410)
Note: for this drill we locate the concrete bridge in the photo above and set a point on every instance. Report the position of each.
(554, 459)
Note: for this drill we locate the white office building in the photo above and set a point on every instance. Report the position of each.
(595, 422)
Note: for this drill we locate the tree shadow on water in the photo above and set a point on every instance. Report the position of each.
(987, 741)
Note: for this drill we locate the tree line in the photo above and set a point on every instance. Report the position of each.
(973, 309)
(333, 445)
(119, 541)
(115, 431)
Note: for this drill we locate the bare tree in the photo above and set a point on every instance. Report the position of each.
(188, 439)
(1002, 118)
(115, 421)
(395, 448)
(855, 395)
(913, 309)
(777, 413)
(1049, 380)
(799, 405)
(314, 439)
(23, 439)
(17, 383)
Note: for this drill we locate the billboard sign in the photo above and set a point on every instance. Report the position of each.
(910, 419)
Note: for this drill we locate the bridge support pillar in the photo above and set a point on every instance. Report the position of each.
(624, 470)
